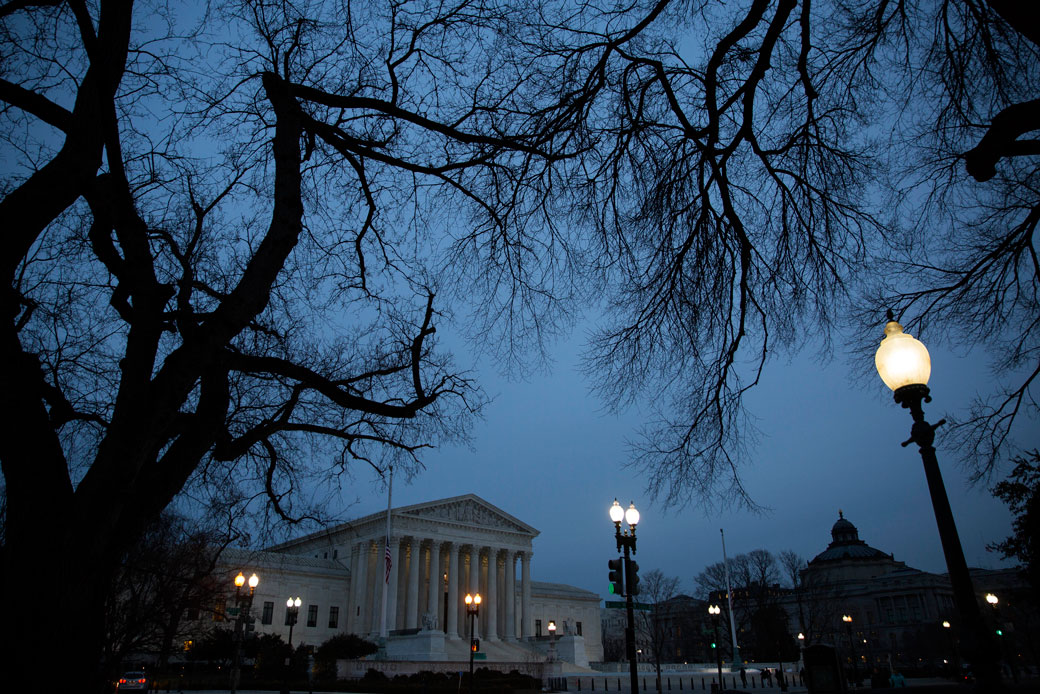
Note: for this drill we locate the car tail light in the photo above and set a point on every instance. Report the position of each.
(122, 680)
(141, 680)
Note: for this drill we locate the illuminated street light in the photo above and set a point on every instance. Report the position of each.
(244, 603)
(472, 609)
(626, 540)
(714, 611)
(905, 366)
(552, 641)
(292, 612)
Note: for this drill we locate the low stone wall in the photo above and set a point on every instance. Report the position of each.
(356, 669)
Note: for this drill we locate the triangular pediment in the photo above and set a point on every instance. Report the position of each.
(470, 510)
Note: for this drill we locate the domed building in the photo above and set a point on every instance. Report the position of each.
(849, 558)
(877, 610)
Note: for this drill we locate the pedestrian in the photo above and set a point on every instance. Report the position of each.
(743, 677)
(768, 676)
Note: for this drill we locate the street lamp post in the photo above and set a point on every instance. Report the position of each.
(715, 611)
(244, 603)
(626, 540)
(904, 365)
(999, 630)
(852, 648)
(953, 646)
(292, 612)
(472, 609)
(552, 641)
(801, 656)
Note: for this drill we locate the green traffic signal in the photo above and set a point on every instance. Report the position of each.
(713, 644)
(1000, 632)
(617, 576)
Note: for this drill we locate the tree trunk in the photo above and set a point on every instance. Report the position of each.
(55, 596)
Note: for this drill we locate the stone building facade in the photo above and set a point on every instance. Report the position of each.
(438, 552)
(897, 613)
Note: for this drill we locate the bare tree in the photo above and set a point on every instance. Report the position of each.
(963, 170)
(230, 238)
(652, 628)
(172, 565)
(215, 262)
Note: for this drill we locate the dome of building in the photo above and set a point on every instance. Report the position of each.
(845, 544)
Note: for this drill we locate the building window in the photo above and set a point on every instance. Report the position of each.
(218, 609)
(577, 627)
(335, 554)
(537, 627)
(333, 617)
(268, 614)
(312, 615)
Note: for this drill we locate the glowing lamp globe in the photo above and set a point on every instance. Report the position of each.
(632, 515)
(616, 512)
(254, 581)
(901, 360)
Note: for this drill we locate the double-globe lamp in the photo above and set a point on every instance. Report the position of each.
(905, 366)
(626, 541)
(240, 581)
(630, 515)
(714, 611)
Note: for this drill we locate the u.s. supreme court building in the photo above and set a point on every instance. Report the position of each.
(439, 551)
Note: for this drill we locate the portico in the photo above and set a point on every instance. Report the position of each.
(439, 551)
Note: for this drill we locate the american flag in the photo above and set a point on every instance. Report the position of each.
(389, 560)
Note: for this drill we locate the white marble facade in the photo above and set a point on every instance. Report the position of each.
(441, 550)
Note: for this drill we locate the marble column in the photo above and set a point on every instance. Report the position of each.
(352, 596)
(361, 611)
(411, 618)
(510, 588)
(492, 594)
(474, 586)
(436, 587)
(527, 629)
(454, 569)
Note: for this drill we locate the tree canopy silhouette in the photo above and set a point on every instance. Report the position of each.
(230, 237)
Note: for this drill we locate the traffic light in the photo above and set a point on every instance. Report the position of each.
(632, 577)
(474, 645)
(1000, 632)
(713, 645)
(617, 576)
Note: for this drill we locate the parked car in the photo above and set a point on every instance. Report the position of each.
(135, 681)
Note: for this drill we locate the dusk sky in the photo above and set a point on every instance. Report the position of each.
(547, 454)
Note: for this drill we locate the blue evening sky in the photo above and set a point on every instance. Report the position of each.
(548, 454)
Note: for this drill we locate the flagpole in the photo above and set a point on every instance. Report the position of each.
(386, 580)
(729, 600)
